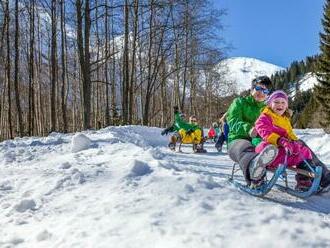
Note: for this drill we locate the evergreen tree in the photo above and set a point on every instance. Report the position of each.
(322, 91)
(293, 71)
(301, 68)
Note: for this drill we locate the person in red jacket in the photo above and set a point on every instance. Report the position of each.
(212, 134)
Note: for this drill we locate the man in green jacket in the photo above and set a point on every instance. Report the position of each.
(242, 114)
(185, 132)
(180, 123)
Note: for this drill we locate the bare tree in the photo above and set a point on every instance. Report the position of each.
(125, 82)
(106, 68)
(113, 74)
(73, 65)
(31, 112)
(84, 58)
(53, 66)
(133, 64)
(64, 70)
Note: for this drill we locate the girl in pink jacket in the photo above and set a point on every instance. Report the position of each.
(274, 127)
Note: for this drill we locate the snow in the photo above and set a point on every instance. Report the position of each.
(80, 142)
(308, 81)
(126, 189)
(240, 71)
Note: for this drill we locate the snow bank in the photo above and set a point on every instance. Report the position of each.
(122, 186)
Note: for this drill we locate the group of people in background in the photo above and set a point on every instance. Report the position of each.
(258, 133)
(189, 132)
(218, 132)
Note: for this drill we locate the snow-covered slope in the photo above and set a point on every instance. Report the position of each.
(308, 81)
(122, 187)
(241, 70)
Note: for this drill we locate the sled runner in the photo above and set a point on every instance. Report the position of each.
(281, 175)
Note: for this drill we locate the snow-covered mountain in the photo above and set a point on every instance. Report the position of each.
(122, 187)
(241, 70)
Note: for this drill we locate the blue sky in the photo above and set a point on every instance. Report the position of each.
(276, 31)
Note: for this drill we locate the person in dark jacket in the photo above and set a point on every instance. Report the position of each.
(223, 134)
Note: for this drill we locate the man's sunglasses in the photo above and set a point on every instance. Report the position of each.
(259, 88)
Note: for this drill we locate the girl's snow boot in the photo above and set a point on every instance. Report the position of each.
(258, 165)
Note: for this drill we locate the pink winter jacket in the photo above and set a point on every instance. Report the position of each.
(271, 126)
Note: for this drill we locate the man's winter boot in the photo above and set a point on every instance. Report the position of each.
(325, 182)
(172, 143)
(219, 148)
(325, 179)
(257, 184)
(171, 146)
(303, 182)
(258, 165)
(198, 148)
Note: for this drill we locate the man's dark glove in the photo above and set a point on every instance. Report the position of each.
(167, 130)
(164, 132)
(176, 109)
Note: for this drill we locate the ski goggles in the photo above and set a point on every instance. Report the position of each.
(263, 90)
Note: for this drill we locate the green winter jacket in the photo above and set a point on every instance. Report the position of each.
(242, 114)
(179, 123)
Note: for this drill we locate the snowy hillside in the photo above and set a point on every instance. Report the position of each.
(308, 81)
(122, 187)
(241, 70)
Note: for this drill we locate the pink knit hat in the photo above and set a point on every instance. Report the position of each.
(277, 94)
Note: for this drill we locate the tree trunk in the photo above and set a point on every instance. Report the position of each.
(31, 71)
(133, 69)
(113, 75)
(84, 59)
(53, 68)
(149, 89)
(63, 58)
(8, 68)
(16, 72)
(125, 84)
(106, 73)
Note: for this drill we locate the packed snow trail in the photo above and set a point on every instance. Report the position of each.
(122, 187)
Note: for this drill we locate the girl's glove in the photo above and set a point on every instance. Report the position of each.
(253, 132)
(286, 144)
